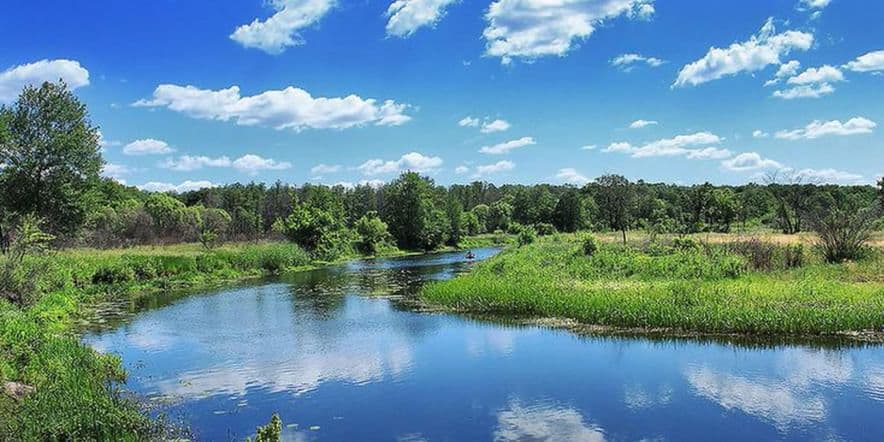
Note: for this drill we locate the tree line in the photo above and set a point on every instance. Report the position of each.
(51, 163)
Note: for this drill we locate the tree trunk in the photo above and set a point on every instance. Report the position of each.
(624, 235)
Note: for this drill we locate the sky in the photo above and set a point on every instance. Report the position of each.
(198, 93)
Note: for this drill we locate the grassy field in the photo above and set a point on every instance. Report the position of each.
(729, 285)
(76, 390)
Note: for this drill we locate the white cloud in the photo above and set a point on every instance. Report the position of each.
(489, 169)
(812, 83)
(760, 134)
(468, 122)
(104, 142)
(502, 148)
(692, 146)
(495, 126)
(289, 108)
(116, 171)
(529, 29)
(590, 147)
(815, 4)
(749, 161)
(252, 164)
(760, 51)
(148, 146)
(186, 186)
(375, 184)
(14, 79)
(518, 422)
(830, 176)
(817, 129)
(187, 163)
(805, 91)
(626, 62)
(461, 170)
(870, 62)
(322, 169)
(572, 176)
(785, 70)
(280, 31)
(407, 16)
(412, 161)
(639, 124)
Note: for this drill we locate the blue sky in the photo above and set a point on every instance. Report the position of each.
(195, 93)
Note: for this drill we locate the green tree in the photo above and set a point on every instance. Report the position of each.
(471, 224)
(309, 225)
(454, 214)
(570, 212)
(410, 212)
(168, 213)
(372, 231)
(500, 215)
(213, 225)
(614, 196)
(723, 209)
(482, 212)
(51, 155)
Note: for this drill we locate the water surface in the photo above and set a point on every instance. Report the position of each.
(340, 356)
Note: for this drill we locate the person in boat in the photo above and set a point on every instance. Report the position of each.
(470, 254)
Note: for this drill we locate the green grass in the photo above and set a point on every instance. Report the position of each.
(708, 290)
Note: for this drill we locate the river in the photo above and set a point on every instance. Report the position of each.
(341, 354)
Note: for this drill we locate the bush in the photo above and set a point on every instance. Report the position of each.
(760, 254)
(544, 229)
(210, 263)
(590, 245)
(527, 235)
(113, 274)
(272, 432)
(144, 268)
(685, 243)
(793, 256)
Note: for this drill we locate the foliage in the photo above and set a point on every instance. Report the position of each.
(272, 432)
(51, 156)
(569, 214)
(18, 278)
(526, 234)
(843, 226)
(373, 233)
(614, 196)
(308, 226)
(544, 229)
(703, 290)
(590, 245)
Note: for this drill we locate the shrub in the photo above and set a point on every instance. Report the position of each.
(844, 228)
(590, 245)
(113, 274)
(210, 263)
(760, 254)
(544, 229)
(144, 268)
(685, 243)
(793, 256)
(527, 235)
(372, 233)
(272, 432)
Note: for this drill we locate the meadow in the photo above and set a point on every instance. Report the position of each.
(744, 285)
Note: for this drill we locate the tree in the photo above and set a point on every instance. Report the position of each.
(309, 225)
(482, 212)
(410, 212)
(723, 209)
(614, 195)
(213, 225)
(881, 192)
(570, 212)
(500, 215)
(843, 224)
(454, 213)
(51, 155)
(372, 233)
(470, 223)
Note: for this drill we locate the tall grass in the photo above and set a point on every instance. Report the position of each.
(712, 289)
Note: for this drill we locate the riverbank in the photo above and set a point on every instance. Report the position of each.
(76, 391)
(743, 287)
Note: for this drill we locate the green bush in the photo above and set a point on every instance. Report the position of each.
(527, 235)
(113, 274)
(590, 245)
(544, 229)
(685, 243)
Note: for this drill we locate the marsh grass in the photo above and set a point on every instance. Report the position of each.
(711, 289)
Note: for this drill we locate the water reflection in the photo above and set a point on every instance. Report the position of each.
(343, 367)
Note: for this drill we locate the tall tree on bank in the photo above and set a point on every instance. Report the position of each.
(51, 155)
(570, 212)
(411, 214)
(614, 195)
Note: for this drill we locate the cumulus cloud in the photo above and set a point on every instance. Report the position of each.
(760, 134)
(322, 169)
(412, 161)
(186, 186)
(407, 16)
(289, 108)
(490, 169)
(760, 51)
(14, 79)
(627, 62)
(116, 171)
(503, 148)
(252, 164)
(572, 176)
(692, 146)
(375, 184)
(639, 124)
(187, 163)
(785, 70)
(812, 83)
(461, 170)
(817, 129)
(519, 422)
(495, 126)
(468, 122)
(279, 32)
(870, 62)
(749, 161)
(147, 146)
(815, 4)
(529, 29)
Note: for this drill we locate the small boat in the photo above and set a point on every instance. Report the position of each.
(470, 255)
